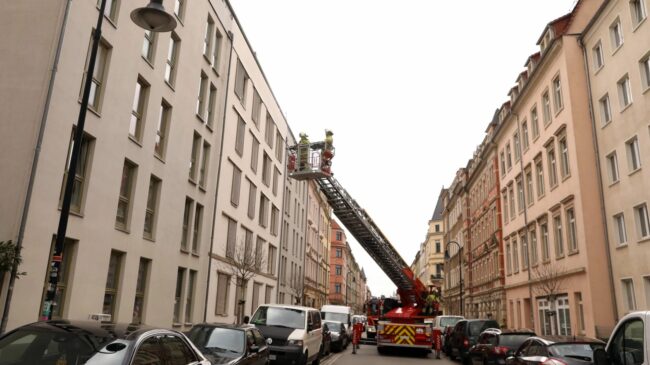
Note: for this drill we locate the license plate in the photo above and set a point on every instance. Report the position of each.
(272, 357)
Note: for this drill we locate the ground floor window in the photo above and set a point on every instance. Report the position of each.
(555, 316)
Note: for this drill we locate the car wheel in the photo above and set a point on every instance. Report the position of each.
(381, 350)
(316, 361)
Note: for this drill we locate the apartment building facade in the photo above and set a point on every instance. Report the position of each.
(435, 246)
(339, 266)
(556, 259)
(455, 215)
(317, 249)
(291, 276)
(485, 277)
(145, 187)
(615, 46)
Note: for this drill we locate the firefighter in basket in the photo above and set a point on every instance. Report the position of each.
(327, 153)
(303, 152)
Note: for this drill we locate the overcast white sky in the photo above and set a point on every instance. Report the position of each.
(408, 87)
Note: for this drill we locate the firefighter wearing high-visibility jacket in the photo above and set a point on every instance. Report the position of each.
(357, 329)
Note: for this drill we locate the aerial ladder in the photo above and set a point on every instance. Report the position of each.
(407, 325)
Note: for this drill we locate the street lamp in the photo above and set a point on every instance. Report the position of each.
(460, 258)
(153, 18)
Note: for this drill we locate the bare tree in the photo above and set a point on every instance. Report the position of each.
(244, 264)
(298, 290)
(548, 281)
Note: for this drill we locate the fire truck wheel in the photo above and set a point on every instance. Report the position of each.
(381, 350)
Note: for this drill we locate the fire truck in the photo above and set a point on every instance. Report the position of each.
(404, 323)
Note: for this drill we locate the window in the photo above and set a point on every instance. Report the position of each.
(339, 235)
(539, 169)
(241, 78)
(339, 252)
(178, 296)
(172, 59)
(263, 213)
(503, 164)
(99, 75)
(111, 289)
(558, 103)
(268, 292)
(207, 41)
(216, 54)
(624, 92)
(63, 275)
(196, 232)
(279, 146)
(552, 167)
(212, 100)
(257, 108)
(508, 258)
(628, 293)
(110, 11)
(266, 169)
(509, 157)
(534, 122)
(616, 34)
(236, 185)
(194, 158)
(644, 64)
(273, 252)
(515, 142)
(81, 173)
(530, 194)
(161, 129)
(189, 298)
(564, 315)
(231, 238)
(597, 52)
(546, 108)
(276, 175)
(179, 9)
(255, 148)
(252, 196)
(152, 205)
(520, 194)
(223, 282)
(201, 101)
(122, 216)
(633, 155)
(139, 102)
(533, 246)
(337, 288)
(205, 159)
(140, 290)
(515, 256)
(546, 252)
(565, 170)
(275, 213)
(621, 230)
(511, 196)
(269, 132)
(438, 247)
(187, 219)
(149, 45)
(256, 297)
(524, 134)
(637, 7)
(239, 138)
(559, 236)
(642, 221)
(612, 167)
(339, 270)
(605, 110)
(524, 251)
(581, 312)
(572, 234)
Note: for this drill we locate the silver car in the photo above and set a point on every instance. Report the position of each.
(94, 343)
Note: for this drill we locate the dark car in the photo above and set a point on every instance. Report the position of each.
(94, 343)
(556, 350)
(340, 338)
(326, 346)
(465, 335)
(494, 346)
(230, 344)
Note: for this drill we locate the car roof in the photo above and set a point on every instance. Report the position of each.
(299, 307)
(94, 328)
(521, 331)
(551, 340)
(331, 321)
(225, 325)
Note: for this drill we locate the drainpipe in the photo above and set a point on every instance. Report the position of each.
(601, 193)
(282, 232)
(216, 190)
(32, 175)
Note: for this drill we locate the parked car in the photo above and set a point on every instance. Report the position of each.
(326, 346)
(442, 322)
(556, 350)
(93, 343)
(341, 313)
(446, 336)
(295, 332)
(340, 338)
(465, 334)
(494, 346)
(628, 343)
(230, 344)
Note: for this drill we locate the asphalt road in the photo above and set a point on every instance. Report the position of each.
(368, 354)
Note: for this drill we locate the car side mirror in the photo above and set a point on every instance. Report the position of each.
(600, 357)
(253, 349)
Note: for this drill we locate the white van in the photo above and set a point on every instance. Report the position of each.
(295, 333)
(339, 313)
(628, 343)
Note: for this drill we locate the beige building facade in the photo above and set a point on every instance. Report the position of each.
(552, 223)
(317, 251)
(617, 52)
(455, 215)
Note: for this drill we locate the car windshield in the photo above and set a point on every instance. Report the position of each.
(582, 351)
(449, 321)
(339, 317)
(29, 346)
(280, 317)
(475, 328)
(513, 341)
(334, 327)
(218, 339)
